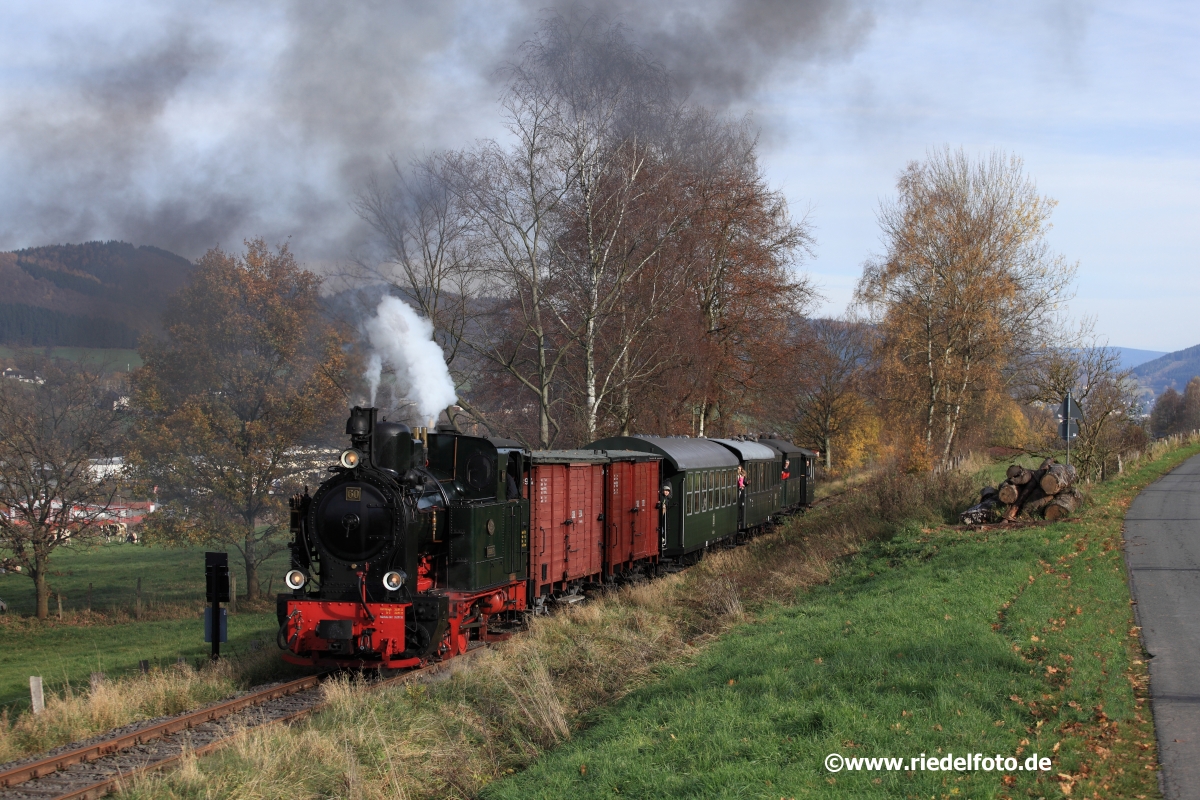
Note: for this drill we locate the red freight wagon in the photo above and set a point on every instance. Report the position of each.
(631, 509)
(566, 519)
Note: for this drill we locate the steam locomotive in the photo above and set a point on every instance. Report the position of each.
(423, 545)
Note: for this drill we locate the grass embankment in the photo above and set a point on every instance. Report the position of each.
(108, 638)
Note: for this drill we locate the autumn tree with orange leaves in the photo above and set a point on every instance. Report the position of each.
(249, 370)
(964, 295)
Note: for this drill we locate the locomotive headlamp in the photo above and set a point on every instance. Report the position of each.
(392, 581)
(350, 458)
(294, 579)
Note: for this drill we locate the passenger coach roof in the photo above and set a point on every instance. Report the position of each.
(749, 451)
(786, 447)
(682, 453)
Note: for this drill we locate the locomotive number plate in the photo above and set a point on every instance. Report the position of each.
(491, 526)
(353, 494)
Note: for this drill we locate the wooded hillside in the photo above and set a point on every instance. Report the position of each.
(96, 294)
(1172, 371)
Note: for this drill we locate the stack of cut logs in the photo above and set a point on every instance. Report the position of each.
(1048, 491)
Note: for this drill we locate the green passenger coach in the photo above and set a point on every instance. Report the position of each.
(797, 488)
(762, 495)
(703, 507)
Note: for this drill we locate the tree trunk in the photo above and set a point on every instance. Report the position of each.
(1018, 475)
(1057, 478)
(1032, 499)
(251, 566)
(979, 513)
(1064, 505)
(1008, 493)
(828, 456)
(41, 590)
(589, 358)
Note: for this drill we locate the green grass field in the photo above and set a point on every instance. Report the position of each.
(169, 575)
(110, 641)
(112, 360)
(938, 642)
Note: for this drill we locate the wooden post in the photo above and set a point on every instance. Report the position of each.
(270, 585)
(96, 680)
(232, 593)
(35, 694)
(89, 598)
(137, 608)
(59, 596)
(144, 666)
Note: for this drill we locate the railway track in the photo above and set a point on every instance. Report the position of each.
(94, 768)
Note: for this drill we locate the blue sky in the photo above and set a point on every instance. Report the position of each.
(1102, 101)
(188, 126)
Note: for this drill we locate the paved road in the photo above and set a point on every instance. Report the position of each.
(1162, 549)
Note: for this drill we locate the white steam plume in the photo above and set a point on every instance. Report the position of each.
(403, 339)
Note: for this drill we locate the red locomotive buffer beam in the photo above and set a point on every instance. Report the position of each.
(328, 633)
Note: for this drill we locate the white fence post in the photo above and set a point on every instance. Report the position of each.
(35, 694)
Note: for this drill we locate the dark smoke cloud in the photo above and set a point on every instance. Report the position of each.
(189, 127)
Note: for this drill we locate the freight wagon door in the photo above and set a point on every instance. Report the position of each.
(548, 514)
(585, 507)
(645, 519)
(620, 524)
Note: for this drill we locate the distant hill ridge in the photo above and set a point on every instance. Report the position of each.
(1173, 370)
(95, 294)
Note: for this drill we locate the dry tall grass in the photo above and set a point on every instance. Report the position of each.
(512, 703)
(73, 714)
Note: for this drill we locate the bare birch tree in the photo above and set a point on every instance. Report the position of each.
(966, 288)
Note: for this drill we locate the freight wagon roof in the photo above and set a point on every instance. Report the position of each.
(589, 456)
(505, 444)
(786, 447)
(749, 451)
(682, 453)
(569, 457)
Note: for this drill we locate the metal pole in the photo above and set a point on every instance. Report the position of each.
(1068, 428)
(216, 628)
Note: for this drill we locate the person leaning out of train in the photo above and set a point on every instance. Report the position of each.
(783, 476)
(741, 479)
